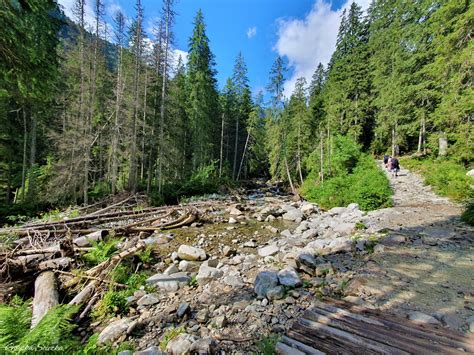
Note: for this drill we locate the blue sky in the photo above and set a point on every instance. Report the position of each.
(302, 31)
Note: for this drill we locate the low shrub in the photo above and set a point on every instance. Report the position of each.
(468, 214)
(447, 177)
(367, 185)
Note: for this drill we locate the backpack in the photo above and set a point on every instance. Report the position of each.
(395, 164)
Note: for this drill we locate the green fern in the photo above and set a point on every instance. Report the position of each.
(53, 334)
(101, 251)
(15, 320)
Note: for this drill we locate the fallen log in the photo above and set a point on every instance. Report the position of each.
(110, 206)
(96, 236)
(46, 296)
(55, 264)
(84, 295)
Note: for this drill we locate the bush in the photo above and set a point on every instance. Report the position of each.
(357, 179)
(468, 214)
(447, 177)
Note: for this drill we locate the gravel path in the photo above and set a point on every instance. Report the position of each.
(427, 263)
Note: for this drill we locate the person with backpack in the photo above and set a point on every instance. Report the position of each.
(395, 166)
(385, 160)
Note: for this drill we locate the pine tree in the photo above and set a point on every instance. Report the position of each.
(203, 98)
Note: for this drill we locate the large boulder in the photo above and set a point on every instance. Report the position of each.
(470, 173)
(169, 283)
(289, 277)
(293, 215)
(265, 281)
(187, 252)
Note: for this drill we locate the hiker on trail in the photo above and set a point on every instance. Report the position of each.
(394, 166)
(385, 159)
(389, 163)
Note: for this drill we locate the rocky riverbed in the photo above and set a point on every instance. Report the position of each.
(233, 282)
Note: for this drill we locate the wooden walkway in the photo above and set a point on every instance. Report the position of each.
(344, 328)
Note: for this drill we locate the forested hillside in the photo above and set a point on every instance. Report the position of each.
(80, 121)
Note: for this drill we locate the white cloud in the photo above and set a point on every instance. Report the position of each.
(179, 53)
(112, 8)
(251, 32)
(68, 6)
(311, 40)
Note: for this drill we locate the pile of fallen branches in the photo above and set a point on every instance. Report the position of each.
(47, 256)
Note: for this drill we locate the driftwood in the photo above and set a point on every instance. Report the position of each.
(46, 296)
(340, 327)
(85, 240)
(83, 296)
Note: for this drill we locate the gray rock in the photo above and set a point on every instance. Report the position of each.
(115, 330)
(337, 210)
(289, 277)
(180, 344)
(310, 233)
(293, 215)
(353, 207)
(148, 300)
(276, 293)
(208, 273)
(422, 318)
(172, 269)
(203, 346)
(265, 281)
(308, 208)
(233, 281)
(234, 211)
(269, 250)
(202, 316)
(341, 245)
(470, 173)
(286, 233)
(189, 266)
(127, 352)
(344, 228)
(308, 259)
(228, 251)
(183, 309)
(170, 283)
(220, 321)
(250, 244)
(152, 350)
(232, 220)
(187, 252)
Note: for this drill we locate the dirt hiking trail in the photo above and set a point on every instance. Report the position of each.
(426, 262)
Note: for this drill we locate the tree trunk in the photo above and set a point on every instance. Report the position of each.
(142, 165)
(289, 177)
(243, 155)
(132, 176)
(321, 173)
(222, 147)
(23, 171)
(236, 146)
(32, 177)
(46, 296)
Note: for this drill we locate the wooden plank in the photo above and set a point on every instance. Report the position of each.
(320, 342)
(300, 346)
(384, 335)
(349, 340)
(442, 336)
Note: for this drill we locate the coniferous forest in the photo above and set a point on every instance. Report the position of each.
(88, 111)
(149, 204)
